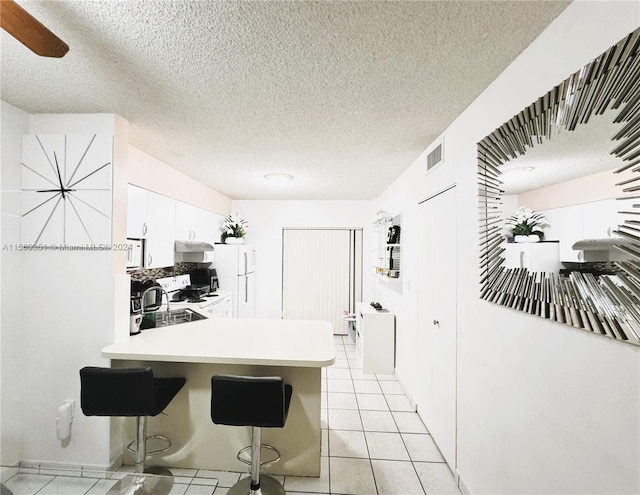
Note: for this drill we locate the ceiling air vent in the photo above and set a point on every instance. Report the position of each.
(434, 157)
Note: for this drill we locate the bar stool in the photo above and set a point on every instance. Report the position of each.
(259, 402)
(131, 392)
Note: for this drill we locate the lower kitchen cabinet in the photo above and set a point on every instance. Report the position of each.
(375, 339)
(223, 306)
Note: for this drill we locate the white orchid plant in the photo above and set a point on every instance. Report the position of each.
(233, 226)
(527, 222)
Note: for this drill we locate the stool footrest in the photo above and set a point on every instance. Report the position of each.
(247, 458)
(131, 449)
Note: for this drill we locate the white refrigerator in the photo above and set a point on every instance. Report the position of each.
(235, 266)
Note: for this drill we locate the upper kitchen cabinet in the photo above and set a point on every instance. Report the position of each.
(137, 212)
(151, 216)
(195, 224)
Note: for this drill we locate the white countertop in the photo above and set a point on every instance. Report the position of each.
(264, 342)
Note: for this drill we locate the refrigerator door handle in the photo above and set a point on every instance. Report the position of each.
(246, 289)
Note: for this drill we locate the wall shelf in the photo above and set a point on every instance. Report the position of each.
(389, 247)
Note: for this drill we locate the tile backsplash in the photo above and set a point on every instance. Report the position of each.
(181, 268)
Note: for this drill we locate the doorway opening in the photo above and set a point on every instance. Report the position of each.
(321, 274)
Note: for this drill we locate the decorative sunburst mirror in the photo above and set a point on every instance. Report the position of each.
(605, 304)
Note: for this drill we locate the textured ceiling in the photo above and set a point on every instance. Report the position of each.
(342, 95)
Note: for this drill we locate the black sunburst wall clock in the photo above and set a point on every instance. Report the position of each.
(66, 189)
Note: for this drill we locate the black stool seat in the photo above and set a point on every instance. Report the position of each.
(259, 402)
(250, 400)
(125, 391)
(131, 392)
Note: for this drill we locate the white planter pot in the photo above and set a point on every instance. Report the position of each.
(526, 238)
(234, 240)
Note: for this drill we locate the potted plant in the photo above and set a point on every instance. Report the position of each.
(527, 224)
(233, 228)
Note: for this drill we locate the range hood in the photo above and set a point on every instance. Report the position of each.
(601, 249)
(192, 247)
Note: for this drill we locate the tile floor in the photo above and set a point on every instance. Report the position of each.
(373, 443)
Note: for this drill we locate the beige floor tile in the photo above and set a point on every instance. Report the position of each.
(324, 443)
(378, 421)
(341, 373)
(181, 488)
(409, 422)
(359, 374)
(396, 478)
(391, 387)
(422, 448)
(337, 400)
(346, 443)
(351, 476)
(372, 402)
(340, 363)
(63, 484)
(399, 403)
(28, 483)
(225, 478)
(383, 445)
(102, 487)
(309, 484)
(366, 387)
(345, 419)
(436, 478)
(340, 385)
(386, 377)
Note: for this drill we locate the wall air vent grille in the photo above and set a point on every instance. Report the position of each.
(434, 157)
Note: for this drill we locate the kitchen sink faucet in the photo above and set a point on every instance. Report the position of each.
(154, 288)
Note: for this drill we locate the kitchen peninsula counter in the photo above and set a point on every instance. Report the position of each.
(233, 341)
(297, 350)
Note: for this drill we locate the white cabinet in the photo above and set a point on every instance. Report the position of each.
(575, 223)
(222, 305)
(375, 339)
(536, 257)
(151, 216)
(195, 224)
(137, 212)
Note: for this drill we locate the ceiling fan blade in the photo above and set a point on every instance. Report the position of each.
(29, 31)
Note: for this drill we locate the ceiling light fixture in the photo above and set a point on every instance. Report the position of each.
(518, 170)
(278, 178)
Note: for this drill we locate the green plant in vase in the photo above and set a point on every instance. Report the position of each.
(527, 222)
(233, 226)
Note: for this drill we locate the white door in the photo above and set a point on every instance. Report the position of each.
(319, 271)
(436, 397)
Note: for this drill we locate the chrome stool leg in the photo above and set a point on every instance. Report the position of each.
(257, 484)
(152, 481)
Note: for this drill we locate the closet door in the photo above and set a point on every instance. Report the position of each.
(318, 270)
(437, 336)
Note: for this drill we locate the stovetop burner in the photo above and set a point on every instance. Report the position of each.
(194, 300)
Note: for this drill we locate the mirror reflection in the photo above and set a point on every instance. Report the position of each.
(564, 180)
(573, 255)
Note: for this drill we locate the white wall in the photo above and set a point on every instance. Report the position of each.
(145, 171)
(14, 124)
(267, 219)
(73, 303)
(537, 412)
